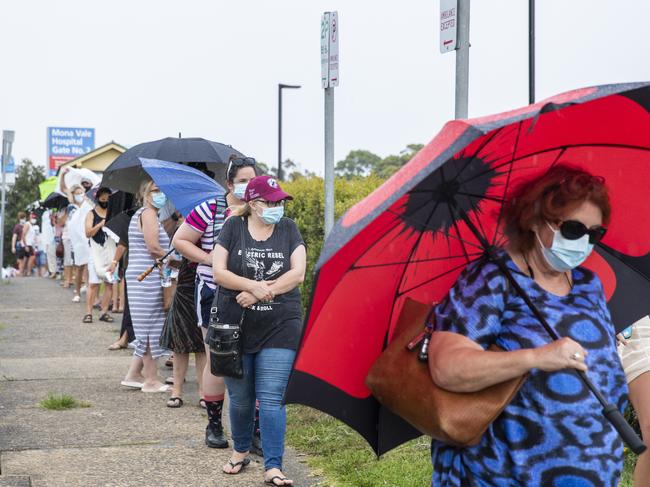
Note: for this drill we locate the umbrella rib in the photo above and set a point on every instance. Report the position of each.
(483, 197)
(505, 189)
(478, 151)
(476, 210)
(560, 154)
(458, 233)
(432, 259)
(413, 222)
(448, 271)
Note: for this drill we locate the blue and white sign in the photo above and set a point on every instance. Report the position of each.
(65, 144)
(11, 165)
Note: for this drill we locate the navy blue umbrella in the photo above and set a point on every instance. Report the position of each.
(126, 171)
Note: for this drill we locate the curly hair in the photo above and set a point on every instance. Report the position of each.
(560, 190)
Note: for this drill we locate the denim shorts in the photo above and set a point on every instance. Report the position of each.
(203, 297)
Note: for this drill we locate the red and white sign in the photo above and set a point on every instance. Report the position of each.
(448, 24)
(57, 161)
(329, 49)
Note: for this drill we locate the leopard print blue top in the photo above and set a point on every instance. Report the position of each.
(553, 433)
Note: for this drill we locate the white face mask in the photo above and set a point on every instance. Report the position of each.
(32, 221)
(239, 190)
(565, 254)
(78, 198)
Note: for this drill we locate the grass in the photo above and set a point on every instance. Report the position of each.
(56, 402)
(343, 458)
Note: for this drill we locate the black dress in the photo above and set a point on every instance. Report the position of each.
(181, 332)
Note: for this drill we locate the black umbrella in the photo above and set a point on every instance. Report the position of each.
(126, 171)
(56, 201)
(119, 225)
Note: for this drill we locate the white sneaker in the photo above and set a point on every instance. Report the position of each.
(76, 298)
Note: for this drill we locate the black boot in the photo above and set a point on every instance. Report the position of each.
(214, 436)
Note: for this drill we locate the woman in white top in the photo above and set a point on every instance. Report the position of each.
(30, 231)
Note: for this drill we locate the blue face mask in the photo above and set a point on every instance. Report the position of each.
(271, 216)
(158, 199)
(566, 254)
(239, 190)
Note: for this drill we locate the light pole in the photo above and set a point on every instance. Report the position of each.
(7, 141)
(280, 88)
(531, 51)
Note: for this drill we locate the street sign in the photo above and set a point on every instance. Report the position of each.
(65, 144)
(11, 165)
(448, 23)
(329, 49)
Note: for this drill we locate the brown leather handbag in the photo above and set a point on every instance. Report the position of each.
(403, 384)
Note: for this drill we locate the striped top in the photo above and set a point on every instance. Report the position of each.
(207, 219)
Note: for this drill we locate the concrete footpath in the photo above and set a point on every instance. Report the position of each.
(126, 437)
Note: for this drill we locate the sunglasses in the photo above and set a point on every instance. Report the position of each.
(271, 204)
(241, 161)
(573, 230)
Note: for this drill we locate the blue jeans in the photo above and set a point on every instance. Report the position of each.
(266, 374)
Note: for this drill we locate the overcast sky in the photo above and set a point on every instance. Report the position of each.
(139, 70)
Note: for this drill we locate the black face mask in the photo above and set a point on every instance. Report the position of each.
(103, 204)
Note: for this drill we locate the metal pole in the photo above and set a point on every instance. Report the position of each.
(329, 159)
(531, 51)
(280, 132)
(7, 140)
(462, 60)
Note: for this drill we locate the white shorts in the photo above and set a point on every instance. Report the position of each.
(67, 252)
(81, 251)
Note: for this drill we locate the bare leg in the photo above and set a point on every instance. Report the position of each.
(106, 299)
(67, 276)
(90, 297)
(212, 385)
(78, 278)
(640, 397)
(151, 381)
(200, 361)
(135, 370)
(120, 295)
(181, 361)
(30, 265)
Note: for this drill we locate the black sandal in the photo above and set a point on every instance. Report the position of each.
(174, 402)
(107, 318)
(87, 319)
(243, 464)
(272, 480)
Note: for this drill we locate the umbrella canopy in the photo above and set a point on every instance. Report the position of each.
(118, 227)
(48, 186)
(56, 201)
(405, 239)
(186, 187)
(126, 171)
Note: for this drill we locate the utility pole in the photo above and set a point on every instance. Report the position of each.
(7, 141)
(280, 88)
(329, 50)
(462, 60)
(531, 52)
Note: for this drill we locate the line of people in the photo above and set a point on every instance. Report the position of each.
(211, 283)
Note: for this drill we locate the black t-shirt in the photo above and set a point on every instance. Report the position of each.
(276, 324)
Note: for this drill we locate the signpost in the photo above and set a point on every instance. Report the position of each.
(448, 25)
(7, 141)
(65, 144)
(329, 53)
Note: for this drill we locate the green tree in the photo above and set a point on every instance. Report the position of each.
(357, 163)
(391, 164)
(19, 195)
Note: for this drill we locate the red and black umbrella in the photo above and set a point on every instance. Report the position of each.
(405, 240)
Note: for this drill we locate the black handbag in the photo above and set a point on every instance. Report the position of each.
(225, 340)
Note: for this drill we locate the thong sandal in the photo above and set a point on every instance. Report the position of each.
(174, 402)
(202, 403)
(87, 319)
(272, 480)
(107, 318)
(243, 464)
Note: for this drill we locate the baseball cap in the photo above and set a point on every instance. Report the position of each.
(266, 188)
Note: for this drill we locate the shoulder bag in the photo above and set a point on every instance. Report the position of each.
(455, 418)
(225, 340)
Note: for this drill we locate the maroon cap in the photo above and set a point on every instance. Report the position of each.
(266, 188)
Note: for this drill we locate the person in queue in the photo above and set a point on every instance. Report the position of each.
(553, 432)
(29, 238)
(267, 288)
(634, 351)
(195, 240)
(17, 242)
(102, 250)
(147, 243)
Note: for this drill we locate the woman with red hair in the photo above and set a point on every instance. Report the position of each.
(553, 432)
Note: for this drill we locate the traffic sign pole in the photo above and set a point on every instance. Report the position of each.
(462, 61)
(329, 79)
(7, 141)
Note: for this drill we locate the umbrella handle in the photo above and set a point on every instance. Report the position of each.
(628, 435)
(142, 276)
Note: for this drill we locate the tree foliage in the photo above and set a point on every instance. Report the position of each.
(23, 192)
(308, 211)
(363, 163)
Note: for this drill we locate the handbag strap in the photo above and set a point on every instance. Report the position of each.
(242, 246)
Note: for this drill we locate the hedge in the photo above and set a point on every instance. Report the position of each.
(308, 211)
